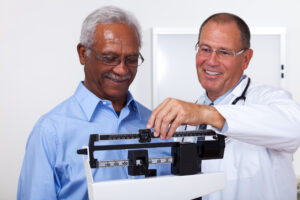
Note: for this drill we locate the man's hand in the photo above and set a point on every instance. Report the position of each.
(172, 113)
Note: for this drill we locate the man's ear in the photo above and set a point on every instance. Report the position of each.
(247, 58)
(81, 50)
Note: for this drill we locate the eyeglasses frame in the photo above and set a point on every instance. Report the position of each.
(234, 54)
(124, 59)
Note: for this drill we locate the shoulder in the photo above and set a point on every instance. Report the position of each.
(265, 89)
(47, 124)
(67, 107)
(43, 136)
(266, 93)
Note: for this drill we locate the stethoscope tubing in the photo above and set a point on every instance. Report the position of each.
(241, 97)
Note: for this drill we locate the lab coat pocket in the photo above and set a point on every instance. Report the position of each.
(241, 160)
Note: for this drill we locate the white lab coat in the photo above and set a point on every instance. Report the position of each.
(264, 132)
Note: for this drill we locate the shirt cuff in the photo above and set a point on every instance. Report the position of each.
(225, 128)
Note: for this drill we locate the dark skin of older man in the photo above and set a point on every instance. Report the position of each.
(110, 82)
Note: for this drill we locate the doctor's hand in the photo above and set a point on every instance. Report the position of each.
(172, 113)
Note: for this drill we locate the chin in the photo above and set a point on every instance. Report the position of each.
(117, 94)
(211, 87)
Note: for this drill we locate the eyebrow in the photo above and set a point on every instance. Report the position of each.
(220, 48)
(109, 53)
(114, 53)
(200, 45)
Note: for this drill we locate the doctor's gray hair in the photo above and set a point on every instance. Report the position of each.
(107, 15)
(228, 17)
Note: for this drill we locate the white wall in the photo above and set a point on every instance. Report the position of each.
(39, 66)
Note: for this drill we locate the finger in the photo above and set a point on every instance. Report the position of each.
(151, 121)
(167, 120)
(160, 117)
(165, 117)
(158, 122)
(175, 124)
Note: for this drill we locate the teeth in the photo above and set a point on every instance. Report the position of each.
(212, 73)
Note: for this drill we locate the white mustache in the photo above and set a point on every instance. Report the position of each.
(116, 77)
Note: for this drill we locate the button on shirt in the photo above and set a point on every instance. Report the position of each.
(53, 170)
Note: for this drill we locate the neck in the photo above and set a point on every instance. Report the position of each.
(119, 104)
(213, 96)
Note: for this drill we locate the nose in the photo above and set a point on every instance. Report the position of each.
(121, 69)
(213, 59)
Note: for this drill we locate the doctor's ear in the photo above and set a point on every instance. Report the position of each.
(247, 57)
(81, 50)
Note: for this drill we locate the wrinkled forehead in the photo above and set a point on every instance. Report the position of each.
(116, 33)
(225, 34)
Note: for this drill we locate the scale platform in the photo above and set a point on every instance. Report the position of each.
(186, 181)
(163, 187)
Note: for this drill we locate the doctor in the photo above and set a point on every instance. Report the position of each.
(262, 123)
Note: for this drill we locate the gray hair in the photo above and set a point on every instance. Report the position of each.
(107, 15)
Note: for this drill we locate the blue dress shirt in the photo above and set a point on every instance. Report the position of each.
(53, 170)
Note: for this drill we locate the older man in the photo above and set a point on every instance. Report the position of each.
(109, 50)
(261, 123)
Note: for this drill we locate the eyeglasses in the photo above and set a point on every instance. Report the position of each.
(206, 51)
(114, 60)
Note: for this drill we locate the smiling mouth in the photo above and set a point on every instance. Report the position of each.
(212, 73)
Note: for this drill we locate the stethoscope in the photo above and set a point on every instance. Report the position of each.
(241, 97)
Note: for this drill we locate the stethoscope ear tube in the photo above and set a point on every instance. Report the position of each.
(243, 95)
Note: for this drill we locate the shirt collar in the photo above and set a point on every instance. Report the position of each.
(207, 101)
(88, 101)
(132, 105)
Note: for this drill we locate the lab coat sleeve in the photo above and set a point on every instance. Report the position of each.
(269, 118)
(37, 180)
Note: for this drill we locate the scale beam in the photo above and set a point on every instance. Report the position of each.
(145, 135)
